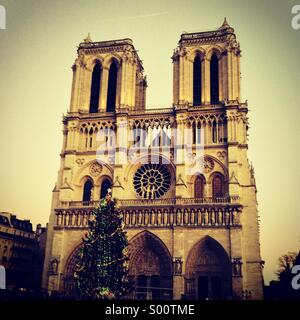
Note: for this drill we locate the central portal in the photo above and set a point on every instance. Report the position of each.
(208, 271)
(150, 268)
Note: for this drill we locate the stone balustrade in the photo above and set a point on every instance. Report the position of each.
(184, 212)
(155, 202)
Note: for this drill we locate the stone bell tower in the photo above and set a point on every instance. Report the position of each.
(207, 97)
(107, 79)
(195, 58)
(107, 75)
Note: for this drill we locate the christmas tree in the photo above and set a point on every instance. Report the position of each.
(102, 268)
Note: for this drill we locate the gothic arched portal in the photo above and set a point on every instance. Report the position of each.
(150, 267)
(208, 271)
(70, 286)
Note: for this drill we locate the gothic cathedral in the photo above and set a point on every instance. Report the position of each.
(180, 175)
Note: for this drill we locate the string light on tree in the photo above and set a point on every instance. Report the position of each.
(102, 268)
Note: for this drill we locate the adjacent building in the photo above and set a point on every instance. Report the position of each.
(19, 253)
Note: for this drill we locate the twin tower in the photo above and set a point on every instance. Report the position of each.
(109, 75)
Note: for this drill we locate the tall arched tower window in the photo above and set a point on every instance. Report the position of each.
(87, 191)
(194, 133)
(217, 186)
(214, 132)
(214, 80)
(106, 184)
(199, 188)
(197, 84)
(199, 133)
(112, 87)
(95, 88)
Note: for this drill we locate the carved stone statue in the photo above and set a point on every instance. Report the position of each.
(237, 267)
(54, 266)
(178, 266)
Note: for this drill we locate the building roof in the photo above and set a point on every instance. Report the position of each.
(24, 225)
(4, 221)
(88, 46)
(219, 34)
(10, 220)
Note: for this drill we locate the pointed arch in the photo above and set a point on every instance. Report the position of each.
(214, 79)
(95, 87)
(83, 173)
(70, 287)
(112, 87)
(199, 187)
(151, 266)
(218, 185)
(196, 51)
(194, 132)
(215, 49)
(200, 133)
(207, 243)
(214, 132)
(87, 190)
(110, 58)
(208, 271)
(105, 185)
(197, 81)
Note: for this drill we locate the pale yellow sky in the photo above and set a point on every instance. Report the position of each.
(39, 46)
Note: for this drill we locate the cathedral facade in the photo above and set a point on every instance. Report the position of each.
(180, 175)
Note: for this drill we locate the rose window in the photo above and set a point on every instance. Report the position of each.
(151, 181)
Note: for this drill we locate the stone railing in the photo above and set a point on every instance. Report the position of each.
(176, 201)
(151, 111)
(108, 43)
(78, 204)
(156, 202)
(195, 216)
